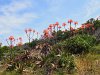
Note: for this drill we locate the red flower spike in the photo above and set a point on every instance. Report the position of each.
(33, 31)
(30, 30)
(50, 25)
(46, 31)
(20, 38)
(64, 24)
(57, 23)
(76, 23)
(87, 25)
(59, 27)
(70, 21)
(11, 38)
(83, 26)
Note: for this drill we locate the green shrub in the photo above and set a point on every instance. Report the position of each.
(63, 35)
(79, 44)
(64, 61)
(95, 49)
(10, 73)
(97, 23)
(91, 40)
(58, 48)
(31, 44)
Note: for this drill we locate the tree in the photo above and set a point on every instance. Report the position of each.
(97, 23)
(91, 20)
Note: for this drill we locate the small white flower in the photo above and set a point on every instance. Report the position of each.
(58, 55)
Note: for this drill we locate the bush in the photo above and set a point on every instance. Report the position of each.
(91, 40)
(63, 35)
(95, 49)
(62, 61)
(33, 43)
(79, 44)
(97, 23)
(66, 61)
(58, 48)
(10, 73)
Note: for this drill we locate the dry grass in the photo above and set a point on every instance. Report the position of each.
(88, 65)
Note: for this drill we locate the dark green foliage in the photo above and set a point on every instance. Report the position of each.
(66, 61)
(1, 53)
(63, 35)
(62, 61)
(79, 43)
(11, 73)
(33, 43)
(91, 40)
(91, 20)
(97, 23)
(95, 49)
(59, 35)
(58, 48)
(5, 49)
(66, 35)
(11, 67)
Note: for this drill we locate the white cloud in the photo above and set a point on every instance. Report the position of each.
(15, 6)
(12, 21)
(91, 7)
(11, 18)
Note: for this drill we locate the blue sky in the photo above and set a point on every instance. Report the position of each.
(16, 15)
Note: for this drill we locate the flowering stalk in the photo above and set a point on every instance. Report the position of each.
(50, 27)
(64, 24)
(19, 42)
(59, 27)
(54, 27)
(75, 23)
(70, 21)
(56, 24)
(11, 42)
(28, 33)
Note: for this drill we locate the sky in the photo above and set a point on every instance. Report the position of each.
(17, 15)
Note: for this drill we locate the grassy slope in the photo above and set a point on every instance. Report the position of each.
(88, 64)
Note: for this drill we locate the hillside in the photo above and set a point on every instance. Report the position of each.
(69, 52)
